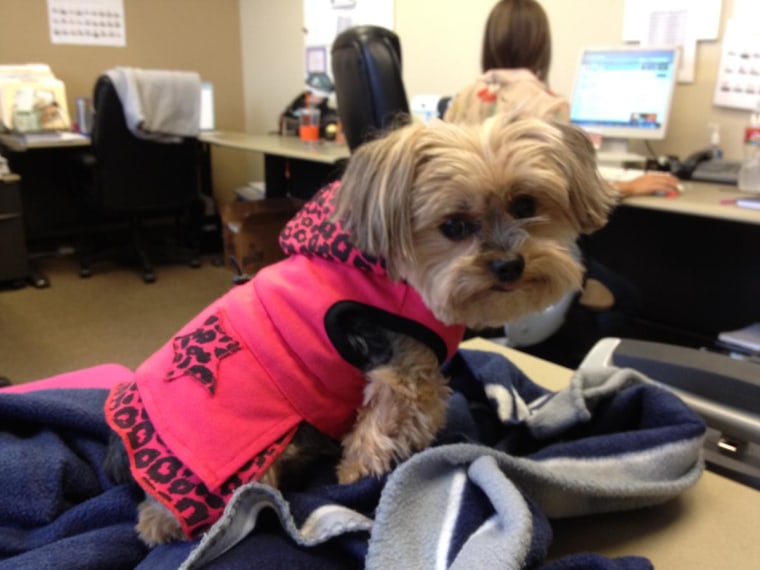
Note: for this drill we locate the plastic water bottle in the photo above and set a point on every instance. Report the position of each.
(749, 175)
(717, 151)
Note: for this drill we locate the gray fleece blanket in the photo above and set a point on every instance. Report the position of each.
(512, 457)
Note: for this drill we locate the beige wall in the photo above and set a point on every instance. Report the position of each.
(197, 35)
(440, 42)
(252, 50)
(443, 54)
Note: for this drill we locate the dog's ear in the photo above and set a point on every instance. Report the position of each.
(374, 198)
(591, 197)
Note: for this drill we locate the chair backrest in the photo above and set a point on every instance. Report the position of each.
(366, 66)
(137, 175)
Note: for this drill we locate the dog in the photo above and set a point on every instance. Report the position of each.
(432, 229)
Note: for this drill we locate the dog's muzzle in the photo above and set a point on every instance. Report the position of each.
(507, 270)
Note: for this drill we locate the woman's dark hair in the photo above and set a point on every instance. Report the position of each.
(517, 35)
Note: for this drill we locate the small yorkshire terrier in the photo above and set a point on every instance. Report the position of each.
(433, 228)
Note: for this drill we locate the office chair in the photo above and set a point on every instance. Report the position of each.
(133, 181)
(366, 66)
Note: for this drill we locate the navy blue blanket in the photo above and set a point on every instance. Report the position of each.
(58, 509)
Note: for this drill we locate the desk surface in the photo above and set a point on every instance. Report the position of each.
(20, 143)
(288, 146)
(701, 199)
(712, 525)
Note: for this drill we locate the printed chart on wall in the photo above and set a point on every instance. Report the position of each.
(738, 83)
(325, 19)
(673, 22)
(87, 22)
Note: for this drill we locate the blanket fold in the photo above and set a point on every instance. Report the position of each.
(57, 507)
(511, 457)
(611, 441)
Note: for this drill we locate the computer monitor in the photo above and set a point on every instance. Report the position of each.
(207, 106)
(623, 93)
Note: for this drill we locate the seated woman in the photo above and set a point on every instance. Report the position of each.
(515, 60)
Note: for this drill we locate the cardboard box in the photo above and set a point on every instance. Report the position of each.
(250, 232)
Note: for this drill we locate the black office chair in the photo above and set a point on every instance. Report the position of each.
(130, 181)
(366, 66)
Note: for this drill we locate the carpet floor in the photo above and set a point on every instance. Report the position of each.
(112, 316)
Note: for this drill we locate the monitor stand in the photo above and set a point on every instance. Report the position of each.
(615, 151)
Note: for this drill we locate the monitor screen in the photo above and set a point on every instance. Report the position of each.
(625, 92)
(207, 106)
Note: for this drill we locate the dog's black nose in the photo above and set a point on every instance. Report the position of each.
(507, 270)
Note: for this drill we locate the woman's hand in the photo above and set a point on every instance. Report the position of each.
(648, 183)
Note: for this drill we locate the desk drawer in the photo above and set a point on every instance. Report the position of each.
(13, 258)
(10, 198)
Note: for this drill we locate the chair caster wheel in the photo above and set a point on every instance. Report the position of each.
(40, 281)
(149, 277)
(85, 273)
(195, 263)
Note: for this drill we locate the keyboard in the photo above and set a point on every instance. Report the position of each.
(42, 137)
(53, 138)
(721, 171)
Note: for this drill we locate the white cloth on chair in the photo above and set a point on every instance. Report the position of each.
(159, 105)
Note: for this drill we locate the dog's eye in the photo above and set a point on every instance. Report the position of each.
(457, 229)
(523, 207)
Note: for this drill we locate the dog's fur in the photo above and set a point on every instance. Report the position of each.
(481, 222)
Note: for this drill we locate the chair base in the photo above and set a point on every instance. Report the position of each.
(139, 253)
(145, 260)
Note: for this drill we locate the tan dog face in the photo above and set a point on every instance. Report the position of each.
(479, 220)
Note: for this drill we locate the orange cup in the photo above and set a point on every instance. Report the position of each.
(308, 124)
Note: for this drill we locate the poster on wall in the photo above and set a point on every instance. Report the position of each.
(673, 22)
(87, 22)
(738, 82)
(325, 19)
(704, 16)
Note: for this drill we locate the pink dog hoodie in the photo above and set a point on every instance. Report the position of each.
(215, 406)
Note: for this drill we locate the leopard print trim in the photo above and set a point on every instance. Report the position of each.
(167, 478)
(197, 354)
(312, 233)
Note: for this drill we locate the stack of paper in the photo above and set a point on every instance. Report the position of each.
(749, 203)
(32, 99)
(747, 338)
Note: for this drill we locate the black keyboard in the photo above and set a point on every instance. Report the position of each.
(720, 171)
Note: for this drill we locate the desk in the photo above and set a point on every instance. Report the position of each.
(694, 261)
(700, 199)
(291, 167)
(44, 164)
(51, 173)
(14, 266)
(21, 143)
(712, 525)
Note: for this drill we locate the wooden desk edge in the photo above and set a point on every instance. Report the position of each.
(701, 199)
(17, 143)
(287, 146)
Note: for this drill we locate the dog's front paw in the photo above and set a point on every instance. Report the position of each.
(156, 524)
(350, 471)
